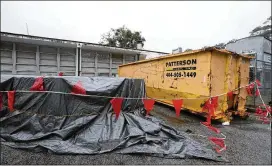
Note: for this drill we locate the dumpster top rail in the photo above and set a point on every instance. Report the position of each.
(191, 52)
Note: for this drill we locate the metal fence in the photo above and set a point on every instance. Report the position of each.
(261, 71)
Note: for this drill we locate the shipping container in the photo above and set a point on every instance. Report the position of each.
(195, 76)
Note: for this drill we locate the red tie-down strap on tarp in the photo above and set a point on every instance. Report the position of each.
(230, 95)
(78, 89)
(11, 98)
(1, 101)
(148, 104)
(219, 142)
(117, 105)
(38, 85)
(177, 104)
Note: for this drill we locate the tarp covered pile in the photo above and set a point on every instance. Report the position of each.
(66, 123)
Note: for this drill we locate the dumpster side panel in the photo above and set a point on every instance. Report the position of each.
(220, 65)
(233, 80)
(229, 72)
(185, 76)
(244, 80)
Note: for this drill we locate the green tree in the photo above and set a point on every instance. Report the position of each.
(122, 37)
(205, 47)
(220, 46)
(188, 49)
(263, 30)
(232, 41)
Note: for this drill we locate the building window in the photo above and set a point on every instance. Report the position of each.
(103, 74)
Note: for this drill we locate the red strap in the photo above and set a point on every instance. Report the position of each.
(210, 114)
(148, 104)
(215, 102)
(11, 95)
(38, 85)
(258, 82)
(211, 109)
(207, 106)
(1, 101)
(209, 119)
(78, 89)
(117, 105)
(264, 113)
(258, 110)
(208, 125)
(220, 150)
(248, 89)
(211, 106)
(230, 95)
(177, 104)
(218, 141)
(268, 109)
(214, 129)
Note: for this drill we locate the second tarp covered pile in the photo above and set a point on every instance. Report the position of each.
(71, 124)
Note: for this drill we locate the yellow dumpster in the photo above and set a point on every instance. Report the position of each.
(195, 76)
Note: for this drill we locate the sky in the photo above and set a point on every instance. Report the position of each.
(165, 25)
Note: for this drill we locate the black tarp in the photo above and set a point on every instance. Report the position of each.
(70, 124)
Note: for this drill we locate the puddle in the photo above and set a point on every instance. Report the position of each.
(169, 119)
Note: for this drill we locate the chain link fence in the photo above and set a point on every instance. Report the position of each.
(261, 71)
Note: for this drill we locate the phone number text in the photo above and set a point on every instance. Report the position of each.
(181, 74)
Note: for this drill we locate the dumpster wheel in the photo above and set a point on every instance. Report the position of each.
(244, 117)
(241, 114)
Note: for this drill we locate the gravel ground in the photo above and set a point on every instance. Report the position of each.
(248, 142)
